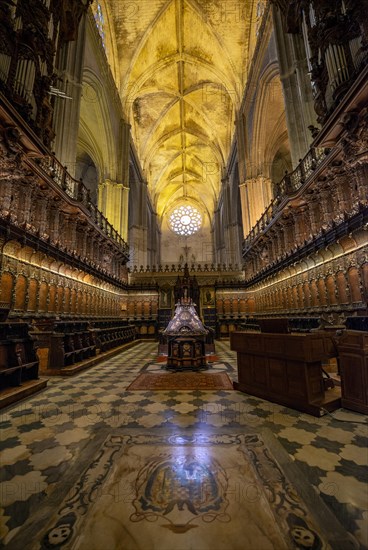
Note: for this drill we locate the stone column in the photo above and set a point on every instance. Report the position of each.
(256, 196)
(240, 135)
(228, 217)
(113, 196)
(138, 226)
(124, 175)
(244, 199)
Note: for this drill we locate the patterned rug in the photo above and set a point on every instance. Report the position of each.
(182, 381)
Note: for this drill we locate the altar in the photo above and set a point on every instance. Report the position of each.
(186, 352)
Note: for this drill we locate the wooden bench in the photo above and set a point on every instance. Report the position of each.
(353, 359)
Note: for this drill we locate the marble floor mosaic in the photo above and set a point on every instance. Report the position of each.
(46, 437)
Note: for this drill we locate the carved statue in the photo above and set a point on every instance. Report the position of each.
(9, 144)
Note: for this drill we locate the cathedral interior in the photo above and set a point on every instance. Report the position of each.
(208, 155)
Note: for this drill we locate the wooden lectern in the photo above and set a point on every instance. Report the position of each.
(285, 369)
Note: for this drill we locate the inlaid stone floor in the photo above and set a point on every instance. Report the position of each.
(87, 464)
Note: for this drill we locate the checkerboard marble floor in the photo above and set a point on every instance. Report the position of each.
(45, 435)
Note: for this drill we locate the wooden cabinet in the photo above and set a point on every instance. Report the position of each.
(285, 368)
(353, 357)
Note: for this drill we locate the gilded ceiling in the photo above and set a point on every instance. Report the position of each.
(181, 67)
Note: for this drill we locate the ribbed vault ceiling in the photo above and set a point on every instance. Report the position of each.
(182, 69)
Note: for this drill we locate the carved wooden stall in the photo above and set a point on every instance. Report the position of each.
(18, 363)
(71, 342)
(66, 347)
(111, 334)
(353, 360)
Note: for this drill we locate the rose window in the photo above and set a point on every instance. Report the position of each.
(185, 220)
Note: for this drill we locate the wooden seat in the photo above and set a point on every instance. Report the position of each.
(111, 334)
(18, 361)
(76, 341)
(11, 376)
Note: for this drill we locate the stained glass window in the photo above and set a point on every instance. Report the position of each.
(185, 220)
(100, 22)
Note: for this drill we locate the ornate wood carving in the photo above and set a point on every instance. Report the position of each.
(71, 14)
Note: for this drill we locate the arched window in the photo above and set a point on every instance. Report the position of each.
(100, 22)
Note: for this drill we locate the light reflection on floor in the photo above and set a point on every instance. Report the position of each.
(48, 439)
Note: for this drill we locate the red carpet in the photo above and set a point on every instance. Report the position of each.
(209, 358)
(182, 381)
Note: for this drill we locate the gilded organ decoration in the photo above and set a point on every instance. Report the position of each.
(35, 32)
